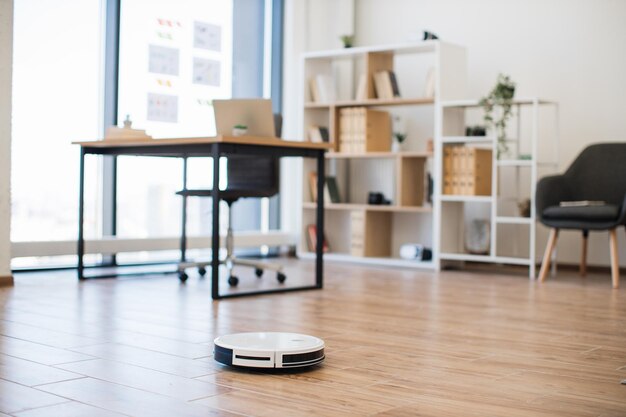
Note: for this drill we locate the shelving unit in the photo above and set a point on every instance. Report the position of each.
(506, 228)
(357, 231)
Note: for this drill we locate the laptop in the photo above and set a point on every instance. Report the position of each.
(255, 113)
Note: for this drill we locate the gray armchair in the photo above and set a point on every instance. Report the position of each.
(597, 174)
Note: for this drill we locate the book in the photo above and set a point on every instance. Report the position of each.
(394, 83)
(429, 87)
(582, 203)
(333, 190)
(313, 186)
(125, 133)
(382, 85)
(322, 89)
(361, 90)
(312, 239)
(318, 134)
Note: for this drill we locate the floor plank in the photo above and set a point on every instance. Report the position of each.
(68, 409)
(15, 398)
(31, 373)
(126, 400)
(145, 379)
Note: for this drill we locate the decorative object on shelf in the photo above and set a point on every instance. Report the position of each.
(430, 36)
(430, 188)
(415, 252)
(499, 99)
(127, 122)
(525, 157)
(240, 130)
(524, 207)
(347, 40)
(475, 131)
(399, 133)
(430, 145)
(377, 199)
(478, 236)
(313, 186)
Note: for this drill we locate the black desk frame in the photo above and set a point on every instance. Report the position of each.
(215, 150)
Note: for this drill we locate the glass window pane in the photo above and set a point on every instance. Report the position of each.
(56, 100)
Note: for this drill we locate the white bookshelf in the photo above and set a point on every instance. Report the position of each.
(534, 131)
(410, 220)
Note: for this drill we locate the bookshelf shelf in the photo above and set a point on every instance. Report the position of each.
(467, 139)
(369, 207)
(378, 155)
(373, 103)
(513, 220)
(467, 198)
(357, 91)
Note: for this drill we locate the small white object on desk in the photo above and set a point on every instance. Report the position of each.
(126, 132)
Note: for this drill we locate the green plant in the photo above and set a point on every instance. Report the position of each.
(500, 98)
(244, 127)
(348, 40)
(400, 137)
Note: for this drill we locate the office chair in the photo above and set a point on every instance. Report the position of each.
(248, 177)
(597, 174)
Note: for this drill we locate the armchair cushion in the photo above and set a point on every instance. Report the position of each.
(606, 212)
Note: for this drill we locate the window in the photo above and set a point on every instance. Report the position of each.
(56, 99)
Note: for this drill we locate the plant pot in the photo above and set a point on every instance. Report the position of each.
(396, 146)
(237, 131)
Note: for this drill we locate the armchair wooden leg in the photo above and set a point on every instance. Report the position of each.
(614, 257)
(547, 256)
(583, 255)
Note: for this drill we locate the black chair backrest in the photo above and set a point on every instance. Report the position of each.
(599, 173)
(254, 173)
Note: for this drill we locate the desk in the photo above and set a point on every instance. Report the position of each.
(214, 147)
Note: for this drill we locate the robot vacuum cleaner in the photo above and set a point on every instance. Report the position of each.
(269, 350)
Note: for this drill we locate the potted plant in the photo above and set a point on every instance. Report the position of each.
(399, 139)
(497, 106)
(240, 130)
(347, 40)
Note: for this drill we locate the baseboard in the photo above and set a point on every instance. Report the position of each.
(6, 281)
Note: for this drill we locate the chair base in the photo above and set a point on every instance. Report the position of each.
(230, 263)
(550, 247)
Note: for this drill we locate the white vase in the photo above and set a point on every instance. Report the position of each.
(396, 146)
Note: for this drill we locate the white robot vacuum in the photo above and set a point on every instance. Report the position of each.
(269, 350)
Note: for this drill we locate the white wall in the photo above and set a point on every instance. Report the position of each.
(572, 51)
(6, 55)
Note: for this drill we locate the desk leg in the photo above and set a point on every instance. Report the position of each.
(183, 233)
(319, 250)
(81, 209)
(215, 231)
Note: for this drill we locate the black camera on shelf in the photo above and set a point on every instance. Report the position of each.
(476, 131)
(377, 199)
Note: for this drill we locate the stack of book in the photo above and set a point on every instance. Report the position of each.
(364, 130)
(357, 233)
(466, 170)
(386, 85)
(125, 133)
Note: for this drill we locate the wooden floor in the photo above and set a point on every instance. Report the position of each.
(399, 343)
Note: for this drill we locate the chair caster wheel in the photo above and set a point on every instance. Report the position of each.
(233, 281)
(258, 272)
(182, 276)
(281, 277)
(202, 271)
